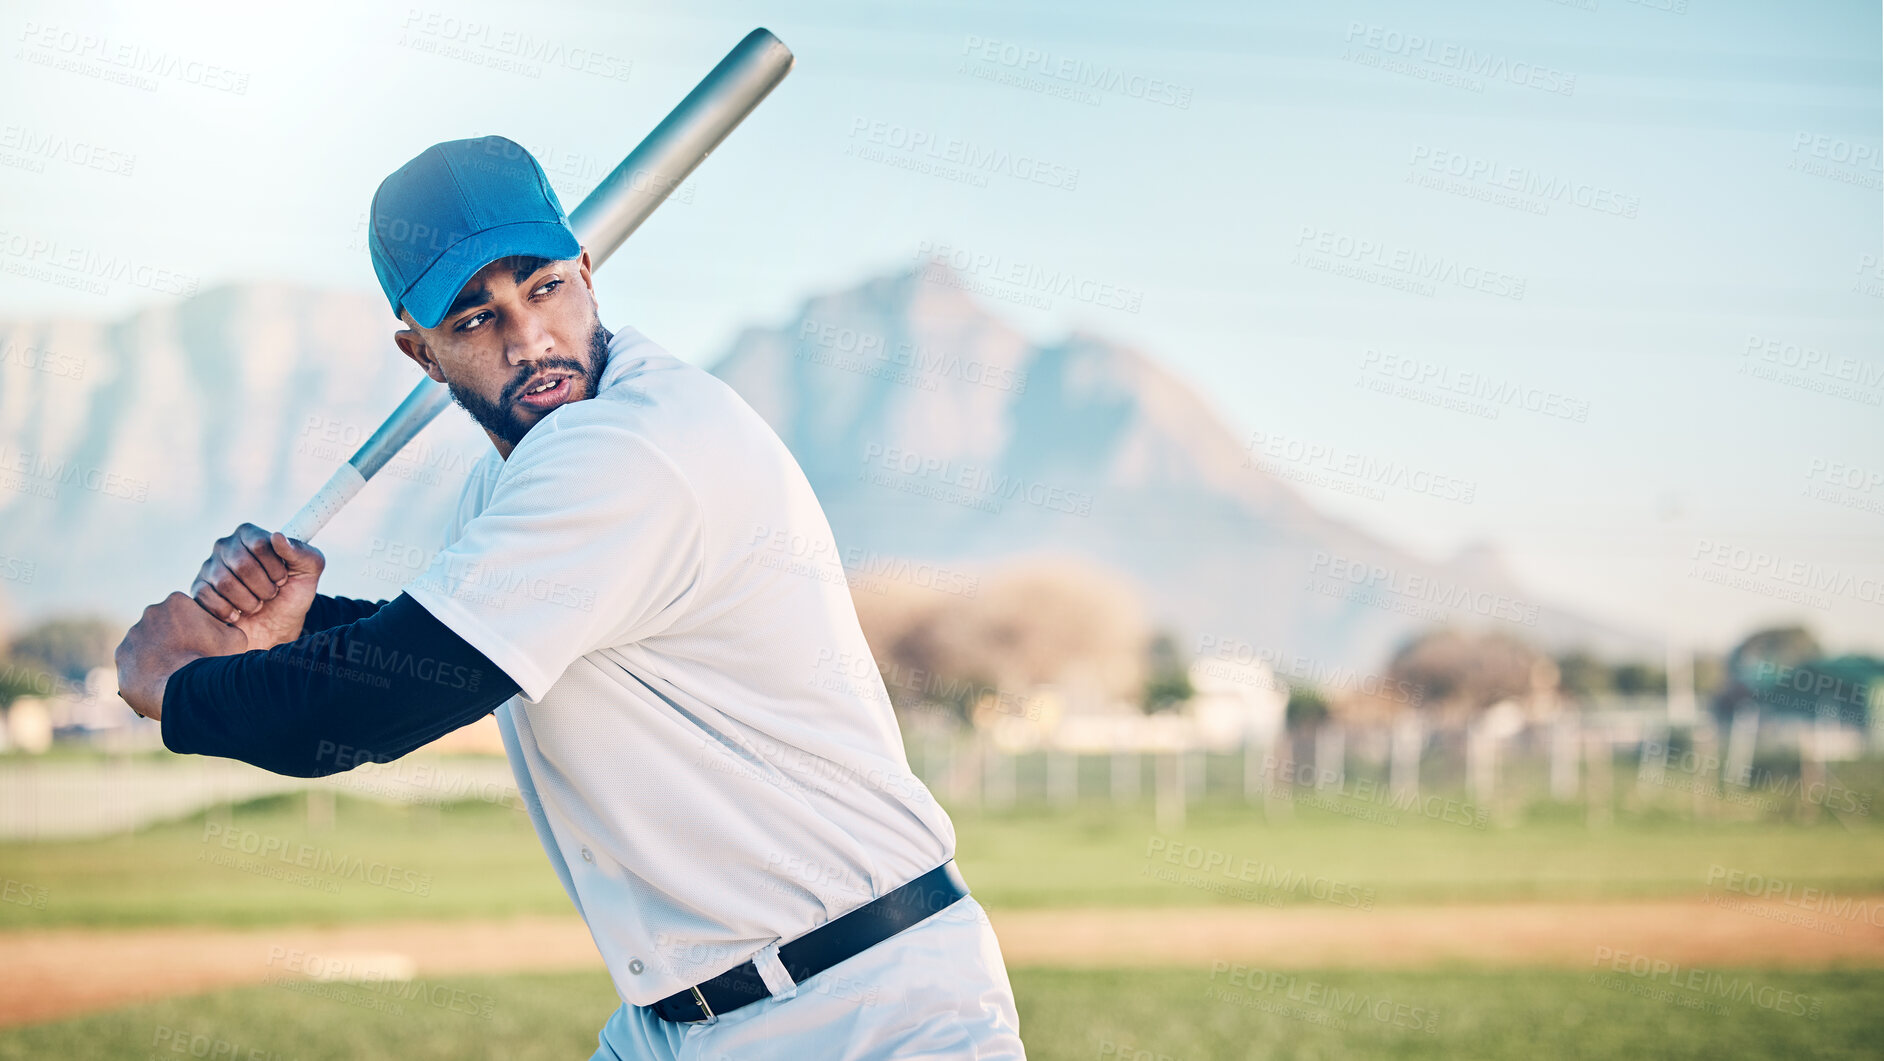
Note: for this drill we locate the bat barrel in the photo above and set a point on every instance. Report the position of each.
(421, 407)
(680, 143)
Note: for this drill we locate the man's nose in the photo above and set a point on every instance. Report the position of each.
(527, 337)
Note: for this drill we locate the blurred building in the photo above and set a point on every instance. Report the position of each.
(1233, 703)
(88, 712)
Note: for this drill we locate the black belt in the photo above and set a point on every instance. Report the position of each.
(822, 947)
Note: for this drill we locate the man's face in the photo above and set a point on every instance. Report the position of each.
(521, 339)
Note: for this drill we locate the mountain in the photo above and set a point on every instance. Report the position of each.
(128, 447)
(930, 428)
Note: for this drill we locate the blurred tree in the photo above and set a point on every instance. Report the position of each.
(1710, 672)
(1307, 708)
(23, 679)
(1841, 686)
(1584, 676)
(67, 647)
(1783, 646)
(1463, 672)
(1169, 682)
(1639, 679)
(1756, 662)
(1046, 622)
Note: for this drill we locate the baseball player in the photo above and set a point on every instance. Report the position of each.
(641, 584)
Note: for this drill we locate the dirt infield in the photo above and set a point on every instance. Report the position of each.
(1692, 932)
(61, 973)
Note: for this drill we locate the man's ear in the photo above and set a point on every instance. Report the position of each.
(413, 345)
(585, 269)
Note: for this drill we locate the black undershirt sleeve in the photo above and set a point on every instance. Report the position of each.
(328, 612)
(369, 690)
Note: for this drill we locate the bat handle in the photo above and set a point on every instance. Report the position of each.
(339, 489)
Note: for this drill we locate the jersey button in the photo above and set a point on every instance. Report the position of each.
(588, 855)
(635, 966)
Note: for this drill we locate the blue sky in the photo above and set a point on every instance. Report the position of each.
(1375, 232)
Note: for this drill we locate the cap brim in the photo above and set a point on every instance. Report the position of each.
(432, 293)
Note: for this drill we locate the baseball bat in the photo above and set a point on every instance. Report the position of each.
(602, 222)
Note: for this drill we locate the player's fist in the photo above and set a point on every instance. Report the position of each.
(261, 583)
(170, 634)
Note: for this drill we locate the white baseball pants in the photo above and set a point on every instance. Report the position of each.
(937, 990)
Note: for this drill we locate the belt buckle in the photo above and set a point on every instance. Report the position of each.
(700, 1000)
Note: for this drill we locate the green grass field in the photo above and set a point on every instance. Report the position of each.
(1147, 1016)
(475, 859)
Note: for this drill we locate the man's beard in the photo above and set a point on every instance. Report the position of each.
(501, 418)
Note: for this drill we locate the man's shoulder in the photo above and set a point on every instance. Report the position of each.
(651, 393)
(643, 375)
(632, 354)
(650, 408)
(585, 436)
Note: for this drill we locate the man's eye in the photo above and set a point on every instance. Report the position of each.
(548, 287)
(473, 321)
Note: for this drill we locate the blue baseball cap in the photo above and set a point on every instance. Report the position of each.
(455, 209)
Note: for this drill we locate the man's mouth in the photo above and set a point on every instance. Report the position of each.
(545, 393)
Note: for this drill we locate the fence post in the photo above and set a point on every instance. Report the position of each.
(1813, 751)
(1565, 738)
(1403, 777)
(1481, 762)
(1126, 774)
(998, 778)
(1652, 770)
(1063, 776)
(1743, 736)
(1601, 784)
(1331, 754)
(1279, 774)
(1255, 772)
(965, 769)
(1704, 746)
(1168, 791)
(934, 761)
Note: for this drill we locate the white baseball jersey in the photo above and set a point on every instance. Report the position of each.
(714, 759)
